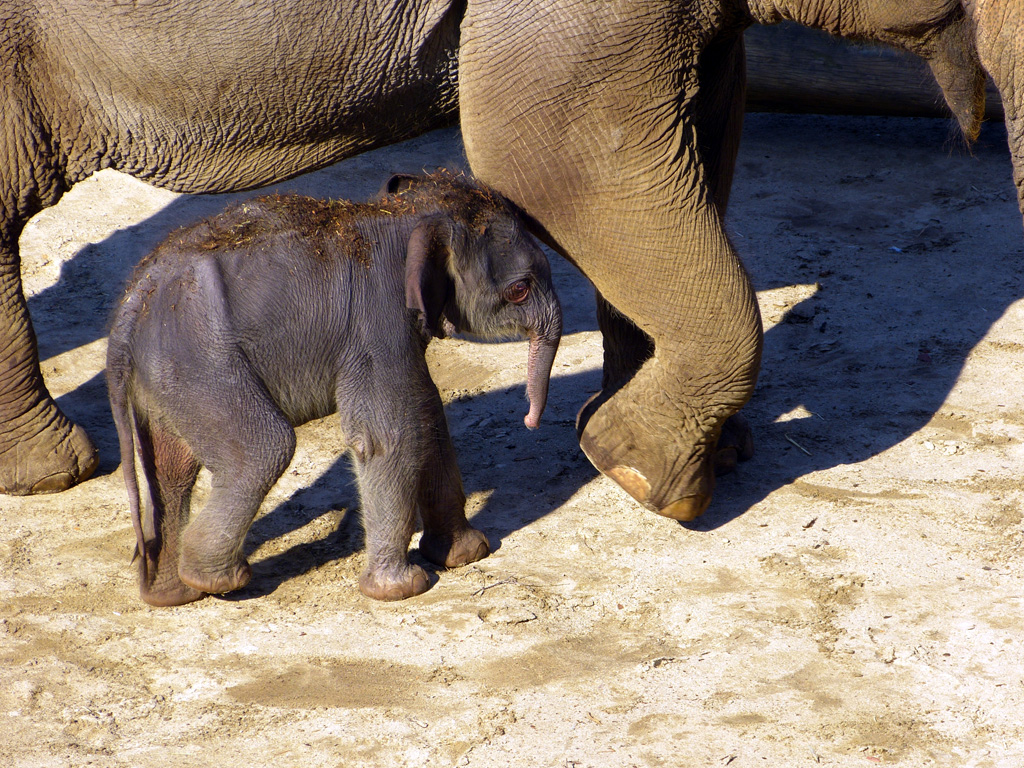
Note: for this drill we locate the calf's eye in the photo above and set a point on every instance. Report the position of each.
(517, 292)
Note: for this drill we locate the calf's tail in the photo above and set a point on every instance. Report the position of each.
(125, 423)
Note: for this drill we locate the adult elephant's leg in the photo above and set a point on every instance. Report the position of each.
(626, 347)
(999, 33)
(718, 119)
(40, 449)
(586, 120)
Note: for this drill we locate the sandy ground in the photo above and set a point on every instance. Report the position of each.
(855, 595)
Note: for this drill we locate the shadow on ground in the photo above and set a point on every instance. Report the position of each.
(540, 472)
(896, 297)
(898, 291)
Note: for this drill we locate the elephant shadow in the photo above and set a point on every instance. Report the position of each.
(892, 299)
(891, 306)
(519, 476)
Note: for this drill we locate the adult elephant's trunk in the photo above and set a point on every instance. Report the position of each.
(954, 62)
(999, 34)
(792, 68)
(936, 30)
(543, 345)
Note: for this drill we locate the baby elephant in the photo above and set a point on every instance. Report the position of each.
(285, 309)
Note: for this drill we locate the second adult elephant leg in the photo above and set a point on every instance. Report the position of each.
(598, 145)
(40, 449)
(626, 347)
(999, 33)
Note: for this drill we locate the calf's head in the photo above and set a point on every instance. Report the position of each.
(472, 264)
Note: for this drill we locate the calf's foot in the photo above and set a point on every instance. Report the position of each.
(159, 584)
(50, 460)
(394, 583)
(170, 595)
(453, 550)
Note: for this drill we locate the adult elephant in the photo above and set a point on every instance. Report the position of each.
(615, 125)
(205, 96)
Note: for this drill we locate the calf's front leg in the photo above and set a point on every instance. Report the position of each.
(448, 538)
(388, 475)
(385, 421)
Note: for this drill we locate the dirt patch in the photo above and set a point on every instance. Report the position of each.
(854, 596)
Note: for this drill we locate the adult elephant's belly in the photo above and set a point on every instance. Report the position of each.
(212, 106)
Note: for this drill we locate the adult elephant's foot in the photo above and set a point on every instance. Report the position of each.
(394, 583)
(50, 459)
(650, 460)
(451, 551)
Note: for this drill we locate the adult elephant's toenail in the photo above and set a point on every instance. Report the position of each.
(55, 483)
(686, 508)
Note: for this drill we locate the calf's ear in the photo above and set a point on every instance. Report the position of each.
(427, 284)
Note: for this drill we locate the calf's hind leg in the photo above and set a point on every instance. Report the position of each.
(170, 469)
(245, 441)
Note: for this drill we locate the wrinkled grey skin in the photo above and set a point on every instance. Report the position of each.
(285, 309)
(614, 125)
(621, 144)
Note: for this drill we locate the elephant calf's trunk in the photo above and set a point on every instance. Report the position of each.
(538, 372)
